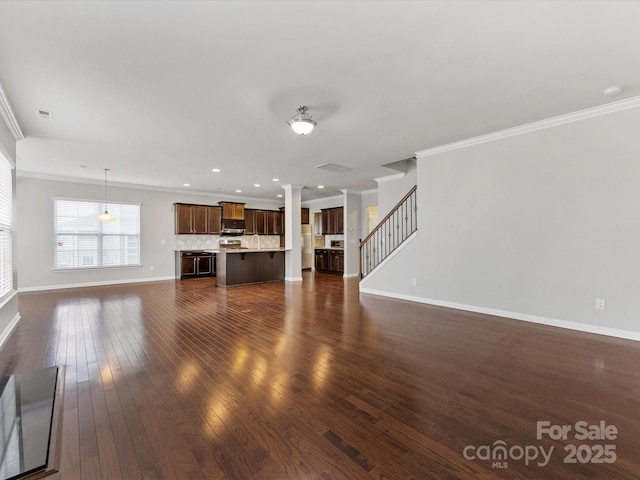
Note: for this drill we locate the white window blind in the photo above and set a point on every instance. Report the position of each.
(84, 242)
(6, 226)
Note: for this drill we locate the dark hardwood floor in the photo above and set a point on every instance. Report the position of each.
(311, 380)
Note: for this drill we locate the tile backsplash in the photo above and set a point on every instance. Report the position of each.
(324, 241)
(212, 242)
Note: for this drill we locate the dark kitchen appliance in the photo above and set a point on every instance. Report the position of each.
(195, 263)
(229, 243)
(231, 227)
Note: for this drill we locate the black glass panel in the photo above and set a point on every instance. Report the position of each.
(26, 409)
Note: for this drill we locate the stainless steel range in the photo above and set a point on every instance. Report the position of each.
(229, 243)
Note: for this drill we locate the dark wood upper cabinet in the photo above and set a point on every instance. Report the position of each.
(215, 220)
(333, 221)
(275, 223)
(304, 216)
(207, 219)
(200, 219)
(326, 223)
(249, 221)
(183, 218)
(261, 222)
(191, 219)
(232, 210)
(339, 219)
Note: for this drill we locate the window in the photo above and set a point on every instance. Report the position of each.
(6, 227)
(84, 242)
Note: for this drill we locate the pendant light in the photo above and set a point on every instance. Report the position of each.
(301, 122)
(106, 216)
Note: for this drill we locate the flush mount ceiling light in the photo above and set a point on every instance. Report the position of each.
(106, 216)
(612, 91)
(301, 122)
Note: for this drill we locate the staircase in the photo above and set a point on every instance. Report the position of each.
(390, 233)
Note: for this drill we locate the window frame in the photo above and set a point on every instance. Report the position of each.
(7, 169)
(99, 235)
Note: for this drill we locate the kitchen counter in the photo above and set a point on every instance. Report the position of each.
(237, 266)
(245, 250)
(235, 250)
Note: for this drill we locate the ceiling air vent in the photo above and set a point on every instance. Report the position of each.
(332, 167)
(44, 114)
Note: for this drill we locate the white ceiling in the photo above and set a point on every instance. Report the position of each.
(162, 92)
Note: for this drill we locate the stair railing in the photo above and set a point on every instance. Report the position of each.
(390, 233)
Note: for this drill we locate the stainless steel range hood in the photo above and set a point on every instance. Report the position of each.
(232, 227)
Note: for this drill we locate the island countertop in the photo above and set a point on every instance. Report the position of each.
(245, 250)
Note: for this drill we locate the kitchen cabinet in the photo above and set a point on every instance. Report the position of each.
(261, 222)
(215, 220)
(339, 219)
(237, 267)
(190, 264)
(322, 259)
(336, 261)
(304, 216)
(333, 221)
(329, 260)
(191, 219)
(268, 222)
(232, 210)
(275, 223)
(249, 221)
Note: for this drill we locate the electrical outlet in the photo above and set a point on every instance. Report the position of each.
(601, 304)
(152, 268)
(414, 282)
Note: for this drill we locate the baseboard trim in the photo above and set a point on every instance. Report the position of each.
(551, 322)
(9, 328)
(293, 279)
(93, 284)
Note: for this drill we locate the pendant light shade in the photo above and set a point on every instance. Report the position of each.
(106, 216)
(301, 123)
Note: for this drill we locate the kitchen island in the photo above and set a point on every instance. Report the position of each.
(237, 266)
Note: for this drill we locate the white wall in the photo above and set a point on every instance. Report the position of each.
(392, 188)
(35, 250)
(534, 226)
(352, 232)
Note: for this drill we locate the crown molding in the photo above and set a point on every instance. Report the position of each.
(564, 119)
(321, 200)
(92, 181)
(351, 190)
(9, 118)
(388, 178)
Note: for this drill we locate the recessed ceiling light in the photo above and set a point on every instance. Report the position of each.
(186, 184)
(238, 191)
(279, 195)
(215, 170)
(320, 186)
(256, 184)
(275, 179)
(612, 91)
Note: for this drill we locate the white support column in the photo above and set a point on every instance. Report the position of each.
(293, 232)
(352, 234)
